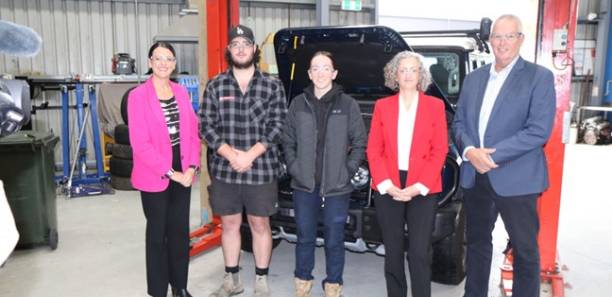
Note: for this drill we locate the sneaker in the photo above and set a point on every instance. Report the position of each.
(302, 287)
(231, 286)
(261, 286)
(333, 290)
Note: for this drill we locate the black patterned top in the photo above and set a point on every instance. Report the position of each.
(171, 114)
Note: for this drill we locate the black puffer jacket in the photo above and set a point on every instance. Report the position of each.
(344, 142)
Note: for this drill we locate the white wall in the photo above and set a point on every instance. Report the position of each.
(454, 15)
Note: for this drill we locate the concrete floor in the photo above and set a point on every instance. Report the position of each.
(101, 253)
(101, 249)
(585, 222)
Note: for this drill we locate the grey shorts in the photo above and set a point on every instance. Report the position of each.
(257, 200)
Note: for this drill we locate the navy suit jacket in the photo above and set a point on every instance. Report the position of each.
(520, 124)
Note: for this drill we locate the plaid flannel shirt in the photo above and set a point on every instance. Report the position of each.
(241, 121)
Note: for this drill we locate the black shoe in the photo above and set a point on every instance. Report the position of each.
(180, 293)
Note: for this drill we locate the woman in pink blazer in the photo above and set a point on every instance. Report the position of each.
(166, 151)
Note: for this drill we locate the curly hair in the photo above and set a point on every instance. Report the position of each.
(392, 66)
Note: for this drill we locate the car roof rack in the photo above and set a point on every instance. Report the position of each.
(481, 35)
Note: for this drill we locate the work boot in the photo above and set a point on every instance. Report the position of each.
(302, 287)
(261, 286)
(333, 290)
(231, 286)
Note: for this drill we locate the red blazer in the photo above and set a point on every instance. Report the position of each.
(429, 143)
(149, 138)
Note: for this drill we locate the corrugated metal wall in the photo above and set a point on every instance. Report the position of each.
(80, 37)
(582, 85)
(266, 17)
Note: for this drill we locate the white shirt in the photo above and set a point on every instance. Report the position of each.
(405, 130)
(494, 85)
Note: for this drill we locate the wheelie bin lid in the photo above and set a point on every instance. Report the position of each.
(28, 140)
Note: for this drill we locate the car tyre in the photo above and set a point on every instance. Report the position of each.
(121, 183)
(53, 239)
(247, 239)
(448, 262)
(121, 167)
(121, 151)
(122, 134)
(124, 105)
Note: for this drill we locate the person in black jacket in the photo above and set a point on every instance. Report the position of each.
(324, 142)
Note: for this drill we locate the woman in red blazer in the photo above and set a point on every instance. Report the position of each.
(165, 142)
(406, 150)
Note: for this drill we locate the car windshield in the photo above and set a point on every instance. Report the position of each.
(444, 69)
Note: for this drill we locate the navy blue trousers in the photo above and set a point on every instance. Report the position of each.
(519, 213)
(308, 207)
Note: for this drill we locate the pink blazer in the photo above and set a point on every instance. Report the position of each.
(149, 138)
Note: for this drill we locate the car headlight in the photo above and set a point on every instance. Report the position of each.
(361, 178)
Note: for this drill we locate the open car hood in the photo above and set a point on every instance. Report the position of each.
(360, 54)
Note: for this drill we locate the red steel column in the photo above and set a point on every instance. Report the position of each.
(234, 11)
(221, 15)
(555, 14)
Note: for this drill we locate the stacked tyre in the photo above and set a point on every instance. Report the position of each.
(121, 160)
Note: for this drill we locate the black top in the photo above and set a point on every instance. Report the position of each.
(321, 110)
(171, 114)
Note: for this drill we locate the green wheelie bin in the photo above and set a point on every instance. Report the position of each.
(27, 169)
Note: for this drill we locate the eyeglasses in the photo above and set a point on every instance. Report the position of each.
(404, 71)
(325, 69)
(159, 59)
(239, 45)
(509, 37)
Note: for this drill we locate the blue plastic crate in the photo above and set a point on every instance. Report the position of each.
(192, 84)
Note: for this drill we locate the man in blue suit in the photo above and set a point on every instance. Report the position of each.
(504, 118)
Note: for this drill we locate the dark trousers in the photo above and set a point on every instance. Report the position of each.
(520, 218)
(307, 209)
(417, 217)
(167, 235)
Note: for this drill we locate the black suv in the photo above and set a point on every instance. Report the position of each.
(360, 54)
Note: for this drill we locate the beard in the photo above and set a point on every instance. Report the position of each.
(248, 63)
